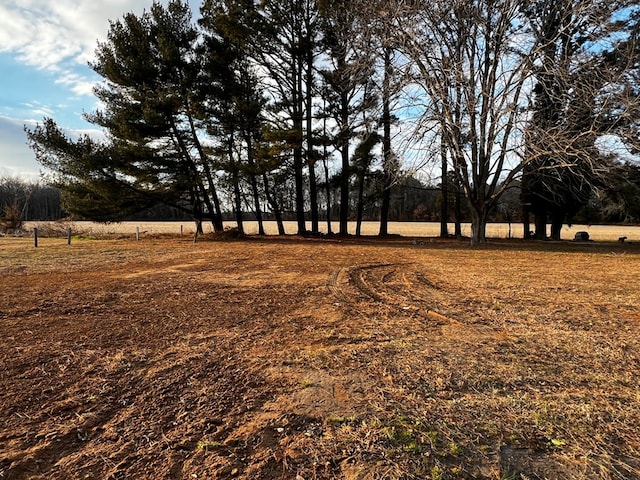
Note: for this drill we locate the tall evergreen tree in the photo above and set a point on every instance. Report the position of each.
(101, 182)
(233, 113)
(348, 91)
(155, 148)
(285, 43)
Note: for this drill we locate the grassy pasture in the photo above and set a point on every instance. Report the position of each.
(289, 358)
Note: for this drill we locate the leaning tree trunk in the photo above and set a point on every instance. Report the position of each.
(235, 178)
(256, 201)
(254, 184)
(197, 212)
(273, 203)
(213, 202)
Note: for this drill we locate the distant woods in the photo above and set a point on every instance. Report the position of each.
(23, 200)
(312, 111)
(410, 200)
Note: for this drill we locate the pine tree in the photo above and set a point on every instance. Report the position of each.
(154, 152)
(235, 110)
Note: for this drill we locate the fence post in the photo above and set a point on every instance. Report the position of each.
(35, 237)
(68, 235)
(137, 233)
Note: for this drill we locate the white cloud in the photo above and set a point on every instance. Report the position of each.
(78, 84)
(60, 36)
(39, 110)
(57, 37)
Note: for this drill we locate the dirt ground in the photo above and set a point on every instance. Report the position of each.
(288, 358)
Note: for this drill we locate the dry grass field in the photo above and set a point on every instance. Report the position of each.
(607, 233)
(288, 358)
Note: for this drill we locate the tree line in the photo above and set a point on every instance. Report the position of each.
(411, 200)
(23, 200)
(317, 110)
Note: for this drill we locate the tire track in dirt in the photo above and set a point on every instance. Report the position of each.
(395, 285)
(402, 287)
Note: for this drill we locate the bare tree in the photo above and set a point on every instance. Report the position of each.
(473, 59)
(582, 94)
(476, 62)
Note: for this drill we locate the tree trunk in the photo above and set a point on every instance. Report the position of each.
(346, 169)
(197, 179)
(360, 208)
(237, 202)
(214, 203)
(197, 212)
(458, 209)
(237, 197)
(326, 171)
(311, 157)
(344, 151)
(444, 206)
(274, 205)
(384, 210)
(297, 151)
(297, 166)
(256, 201)
(218, 225)
(478, 226)
(526, 224)
(557, 218)
(327, 191)
(541, 225)
(254, 184)
(387, 170)
(344, 192)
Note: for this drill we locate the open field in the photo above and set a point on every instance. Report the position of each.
(607, 233)
(287, 358)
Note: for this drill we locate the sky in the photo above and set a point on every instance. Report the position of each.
(45, 48)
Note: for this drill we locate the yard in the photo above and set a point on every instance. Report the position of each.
(290, 358)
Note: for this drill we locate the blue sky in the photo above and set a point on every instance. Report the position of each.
(44, 50)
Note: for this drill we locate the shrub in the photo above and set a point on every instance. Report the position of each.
(11, 220)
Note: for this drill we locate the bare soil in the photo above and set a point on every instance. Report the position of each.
(289, 358)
